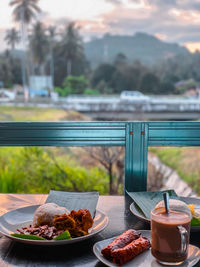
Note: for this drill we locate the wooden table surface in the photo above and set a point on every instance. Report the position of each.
(79, 254)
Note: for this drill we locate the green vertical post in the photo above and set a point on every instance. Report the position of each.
(136, 156)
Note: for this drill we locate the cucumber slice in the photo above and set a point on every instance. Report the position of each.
(64, 236)
(32, 237)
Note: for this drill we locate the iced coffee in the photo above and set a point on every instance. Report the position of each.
(170, 234)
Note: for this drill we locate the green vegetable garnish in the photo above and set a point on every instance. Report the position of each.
(32, 237)
(64, 236)
(195, 222)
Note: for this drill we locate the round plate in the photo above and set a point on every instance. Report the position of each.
(188, 200)
(145, 258)
(18, 218)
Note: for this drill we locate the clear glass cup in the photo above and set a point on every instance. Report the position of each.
(170, 232)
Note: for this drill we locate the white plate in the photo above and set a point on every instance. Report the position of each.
(19, 218)
(188, 200)
(145, 259)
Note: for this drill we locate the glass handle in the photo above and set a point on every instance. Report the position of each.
(184, 238)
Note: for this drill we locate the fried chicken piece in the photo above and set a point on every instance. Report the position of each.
(77, 222)
(76, 232)
(64, 222)
(83, 219)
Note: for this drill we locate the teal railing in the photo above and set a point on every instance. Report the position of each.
(136, 137)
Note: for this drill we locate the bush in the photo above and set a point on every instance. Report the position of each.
(75, 84)
(89, 91)
(63, 91)
(37, 170)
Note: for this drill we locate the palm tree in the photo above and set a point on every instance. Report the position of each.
(39, 45)
(12, 38)
(52, 33)
(71, 46)
(25, 11)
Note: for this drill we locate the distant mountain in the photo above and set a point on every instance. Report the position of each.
(147, 48)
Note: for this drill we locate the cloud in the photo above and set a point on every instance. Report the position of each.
(177, 20)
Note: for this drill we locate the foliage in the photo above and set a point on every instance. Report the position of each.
(75, 84)
(36, 170)
(90, 91)
(25, 10)
(39, 44)
(69, 57)
(12, 37)
(10, 70)
(104, 72)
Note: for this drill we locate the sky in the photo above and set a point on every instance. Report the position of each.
(170, 20)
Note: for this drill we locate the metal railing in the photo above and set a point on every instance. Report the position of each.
(136, 137)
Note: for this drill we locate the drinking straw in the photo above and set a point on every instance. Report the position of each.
(166, 201)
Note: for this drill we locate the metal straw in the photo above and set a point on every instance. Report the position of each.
(166, 201)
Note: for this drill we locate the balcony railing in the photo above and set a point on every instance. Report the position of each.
(136, 137)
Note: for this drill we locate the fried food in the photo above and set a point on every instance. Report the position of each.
(82, 218)
(63, 222)
(120, 242)
(130, 251)
(77, 222)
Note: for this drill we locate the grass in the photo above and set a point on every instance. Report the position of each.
(39, 114)
(185, 160)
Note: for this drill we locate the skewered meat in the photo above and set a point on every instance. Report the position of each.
(130, 251)
(120, 242)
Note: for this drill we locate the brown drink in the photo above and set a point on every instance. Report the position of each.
(170, 235)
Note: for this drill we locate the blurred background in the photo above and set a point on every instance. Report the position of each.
(110, 60)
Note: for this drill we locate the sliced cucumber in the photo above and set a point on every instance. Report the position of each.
(64, 236)
(32, 237)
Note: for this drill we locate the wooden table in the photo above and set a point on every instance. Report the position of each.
(79, 254)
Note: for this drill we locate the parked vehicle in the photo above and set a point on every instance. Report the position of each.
(135, 96)
(6, 95)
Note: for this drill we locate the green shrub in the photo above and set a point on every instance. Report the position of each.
(89, 91)
(37, 170)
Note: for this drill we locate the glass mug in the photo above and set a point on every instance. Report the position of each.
(170, 232)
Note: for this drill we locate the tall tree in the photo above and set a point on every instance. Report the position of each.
(24, 12)
(12, 38)
(39, 46)
(52, 34)
(71, 46)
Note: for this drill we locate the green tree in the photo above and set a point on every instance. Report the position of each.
(12, 38)
(120, 59)
(71, 46)
(24, 12)
(125, 78)
(69, 57)
(10, 69)
(75, 84)
(39, 45)
(150, 84)
(51, 35)
(103, 72)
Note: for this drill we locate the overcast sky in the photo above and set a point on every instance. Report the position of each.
(170, 20)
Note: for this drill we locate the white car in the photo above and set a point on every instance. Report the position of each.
(134, 96)
(6, 95)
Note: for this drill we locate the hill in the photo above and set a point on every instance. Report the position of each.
(147, 48)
